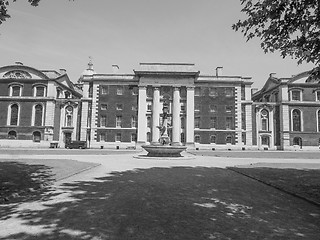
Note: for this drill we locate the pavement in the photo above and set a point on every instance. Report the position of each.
(106, 164)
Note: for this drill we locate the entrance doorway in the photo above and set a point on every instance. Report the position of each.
(265, 142)
(67, 137)
(36, 136)
(297, 141)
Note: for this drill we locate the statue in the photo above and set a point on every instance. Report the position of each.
(164, 137)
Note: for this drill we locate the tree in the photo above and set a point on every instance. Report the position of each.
(289, 26)
(4, 10)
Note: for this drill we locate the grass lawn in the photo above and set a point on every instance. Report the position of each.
(23, 178)
(304, 183)
(175, 203)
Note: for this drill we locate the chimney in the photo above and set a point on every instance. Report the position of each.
(115, 68)
(63, 71)
(19, 63)
(272, 75)
(219, 71)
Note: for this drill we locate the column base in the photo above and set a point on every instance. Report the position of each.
(190, 146)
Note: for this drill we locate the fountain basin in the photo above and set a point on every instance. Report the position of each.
(164, 150)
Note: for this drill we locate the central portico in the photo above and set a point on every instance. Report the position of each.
(173, 83)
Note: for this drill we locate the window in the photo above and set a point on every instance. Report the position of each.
(228, 109)
(296, 95)
(318, 95)
(14, 115)
(197, 138)
(119, 106)
(118, 137)
(12, 135)
(118, 121)
(229, 139)
(265, 140)
(134, 122)
(39, 91)
(148, 122)
(197, 91)
(213, 108)
(197, 122)
(103, 121)
(318, 122)
(36, 136)
(15, 91)
(243, 117)
(69, 116)
(104, 106)
(182, 138)
(119, 90)
(38, 115)
(213, 122)
(103, 137)
(213, 139)
(264, 116)
(213, 92)
(229, 92)
(276, 96)
(149, 106)
(296, 120)
(133, 137)
(297, 141)
(183, 108)
(148, 137)
(243, 93)
(104, 90)
(197, 107)
(228, 122)
(182, 123)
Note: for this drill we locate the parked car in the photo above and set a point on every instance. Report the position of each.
(76, 144)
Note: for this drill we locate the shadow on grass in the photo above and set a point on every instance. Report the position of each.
(171, 203)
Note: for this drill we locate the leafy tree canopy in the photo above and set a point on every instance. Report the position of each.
(4, 10)
(289, 26)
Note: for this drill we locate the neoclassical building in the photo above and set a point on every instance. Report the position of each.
(287, 113)
(37, 107)
(206, 111)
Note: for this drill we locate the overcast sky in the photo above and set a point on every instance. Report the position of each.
(63, 34)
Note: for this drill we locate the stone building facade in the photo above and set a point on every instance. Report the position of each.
(37, 107)
(206, 111)
(287, 113)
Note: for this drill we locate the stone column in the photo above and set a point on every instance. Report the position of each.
(176, 117)
(155, 115)
(142, 118)
(190, 117)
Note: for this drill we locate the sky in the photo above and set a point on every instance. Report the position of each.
(64, 34)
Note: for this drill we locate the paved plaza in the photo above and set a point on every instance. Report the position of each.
(101, 166)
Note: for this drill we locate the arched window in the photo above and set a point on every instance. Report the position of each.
(297, 141)
(38, 113)
(12, 135)
(213, 139)
(69, 116)
(14, 114)
(36, 136)
(296, 120)
(264, 116)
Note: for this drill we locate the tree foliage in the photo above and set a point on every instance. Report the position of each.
(289, 26)
(4, 15)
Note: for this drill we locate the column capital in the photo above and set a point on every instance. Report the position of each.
(156, 88)
(190, 87)
(142, 87)
(176, 88)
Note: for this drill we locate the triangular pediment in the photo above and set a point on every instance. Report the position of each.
(270, 84)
